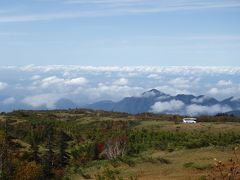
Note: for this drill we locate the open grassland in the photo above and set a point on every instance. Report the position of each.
(201, 126)
(182, 164)
(86, 144)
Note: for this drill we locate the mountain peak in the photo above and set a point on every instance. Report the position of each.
(65, 103)
(228, 99)
(231, 99)
(153, 92)
(158, 102)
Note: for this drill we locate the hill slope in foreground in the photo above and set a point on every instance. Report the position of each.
(87, 144)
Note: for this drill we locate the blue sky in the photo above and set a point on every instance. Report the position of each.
(120, 32)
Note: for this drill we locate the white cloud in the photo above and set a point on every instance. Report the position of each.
(171, 106)
(172, 90)
(224, 91)
(163, 98)
(180, 83)
(184, 83)
(3, 85)
(89, 84)
(207, 110)
(77, 81)
(160, 70)
(9, 100)
(200, 100)
(53, 80)
(175, 106)
(224, 83)
(35, 77)
(154, 76)
(56, 81)
(121, 82)
(112, 92)
(213, 91)
(47, 100)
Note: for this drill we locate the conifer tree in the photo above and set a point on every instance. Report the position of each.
(4, 156)
(48, 159)
(34, 145)
(63, 154)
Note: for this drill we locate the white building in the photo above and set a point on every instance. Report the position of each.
(189, 120)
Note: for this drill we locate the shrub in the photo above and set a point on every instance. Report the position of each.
(226, 171)
(197, 166)
(163, 160)
(109, 175)
(29, 171)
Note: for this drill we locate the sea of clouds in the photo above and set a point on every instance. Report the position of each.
(34, 87)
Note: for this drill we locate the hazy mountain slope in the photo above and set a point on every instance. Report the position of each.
(145, 102)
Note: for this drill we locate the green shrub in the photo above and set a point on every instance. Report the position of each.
(197, 166)
(163, 160)
(109, 174)
(128, 160)
(188, 164)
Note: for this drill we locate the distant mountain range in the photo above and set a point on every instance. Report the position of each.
(159, 102)
(153, 101)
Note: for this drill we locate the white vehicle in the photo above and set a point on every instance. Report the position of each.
(190, 120)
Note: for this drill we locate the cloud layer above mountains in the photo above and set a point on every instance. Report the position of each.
(178, 107)
(42, 86)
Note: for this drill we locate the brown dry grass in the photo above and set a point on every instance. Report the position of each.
(203, 126)
(202, 160)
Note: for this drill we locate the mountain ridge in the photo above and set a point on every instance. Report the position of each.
(153, 101)
(183, 104)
